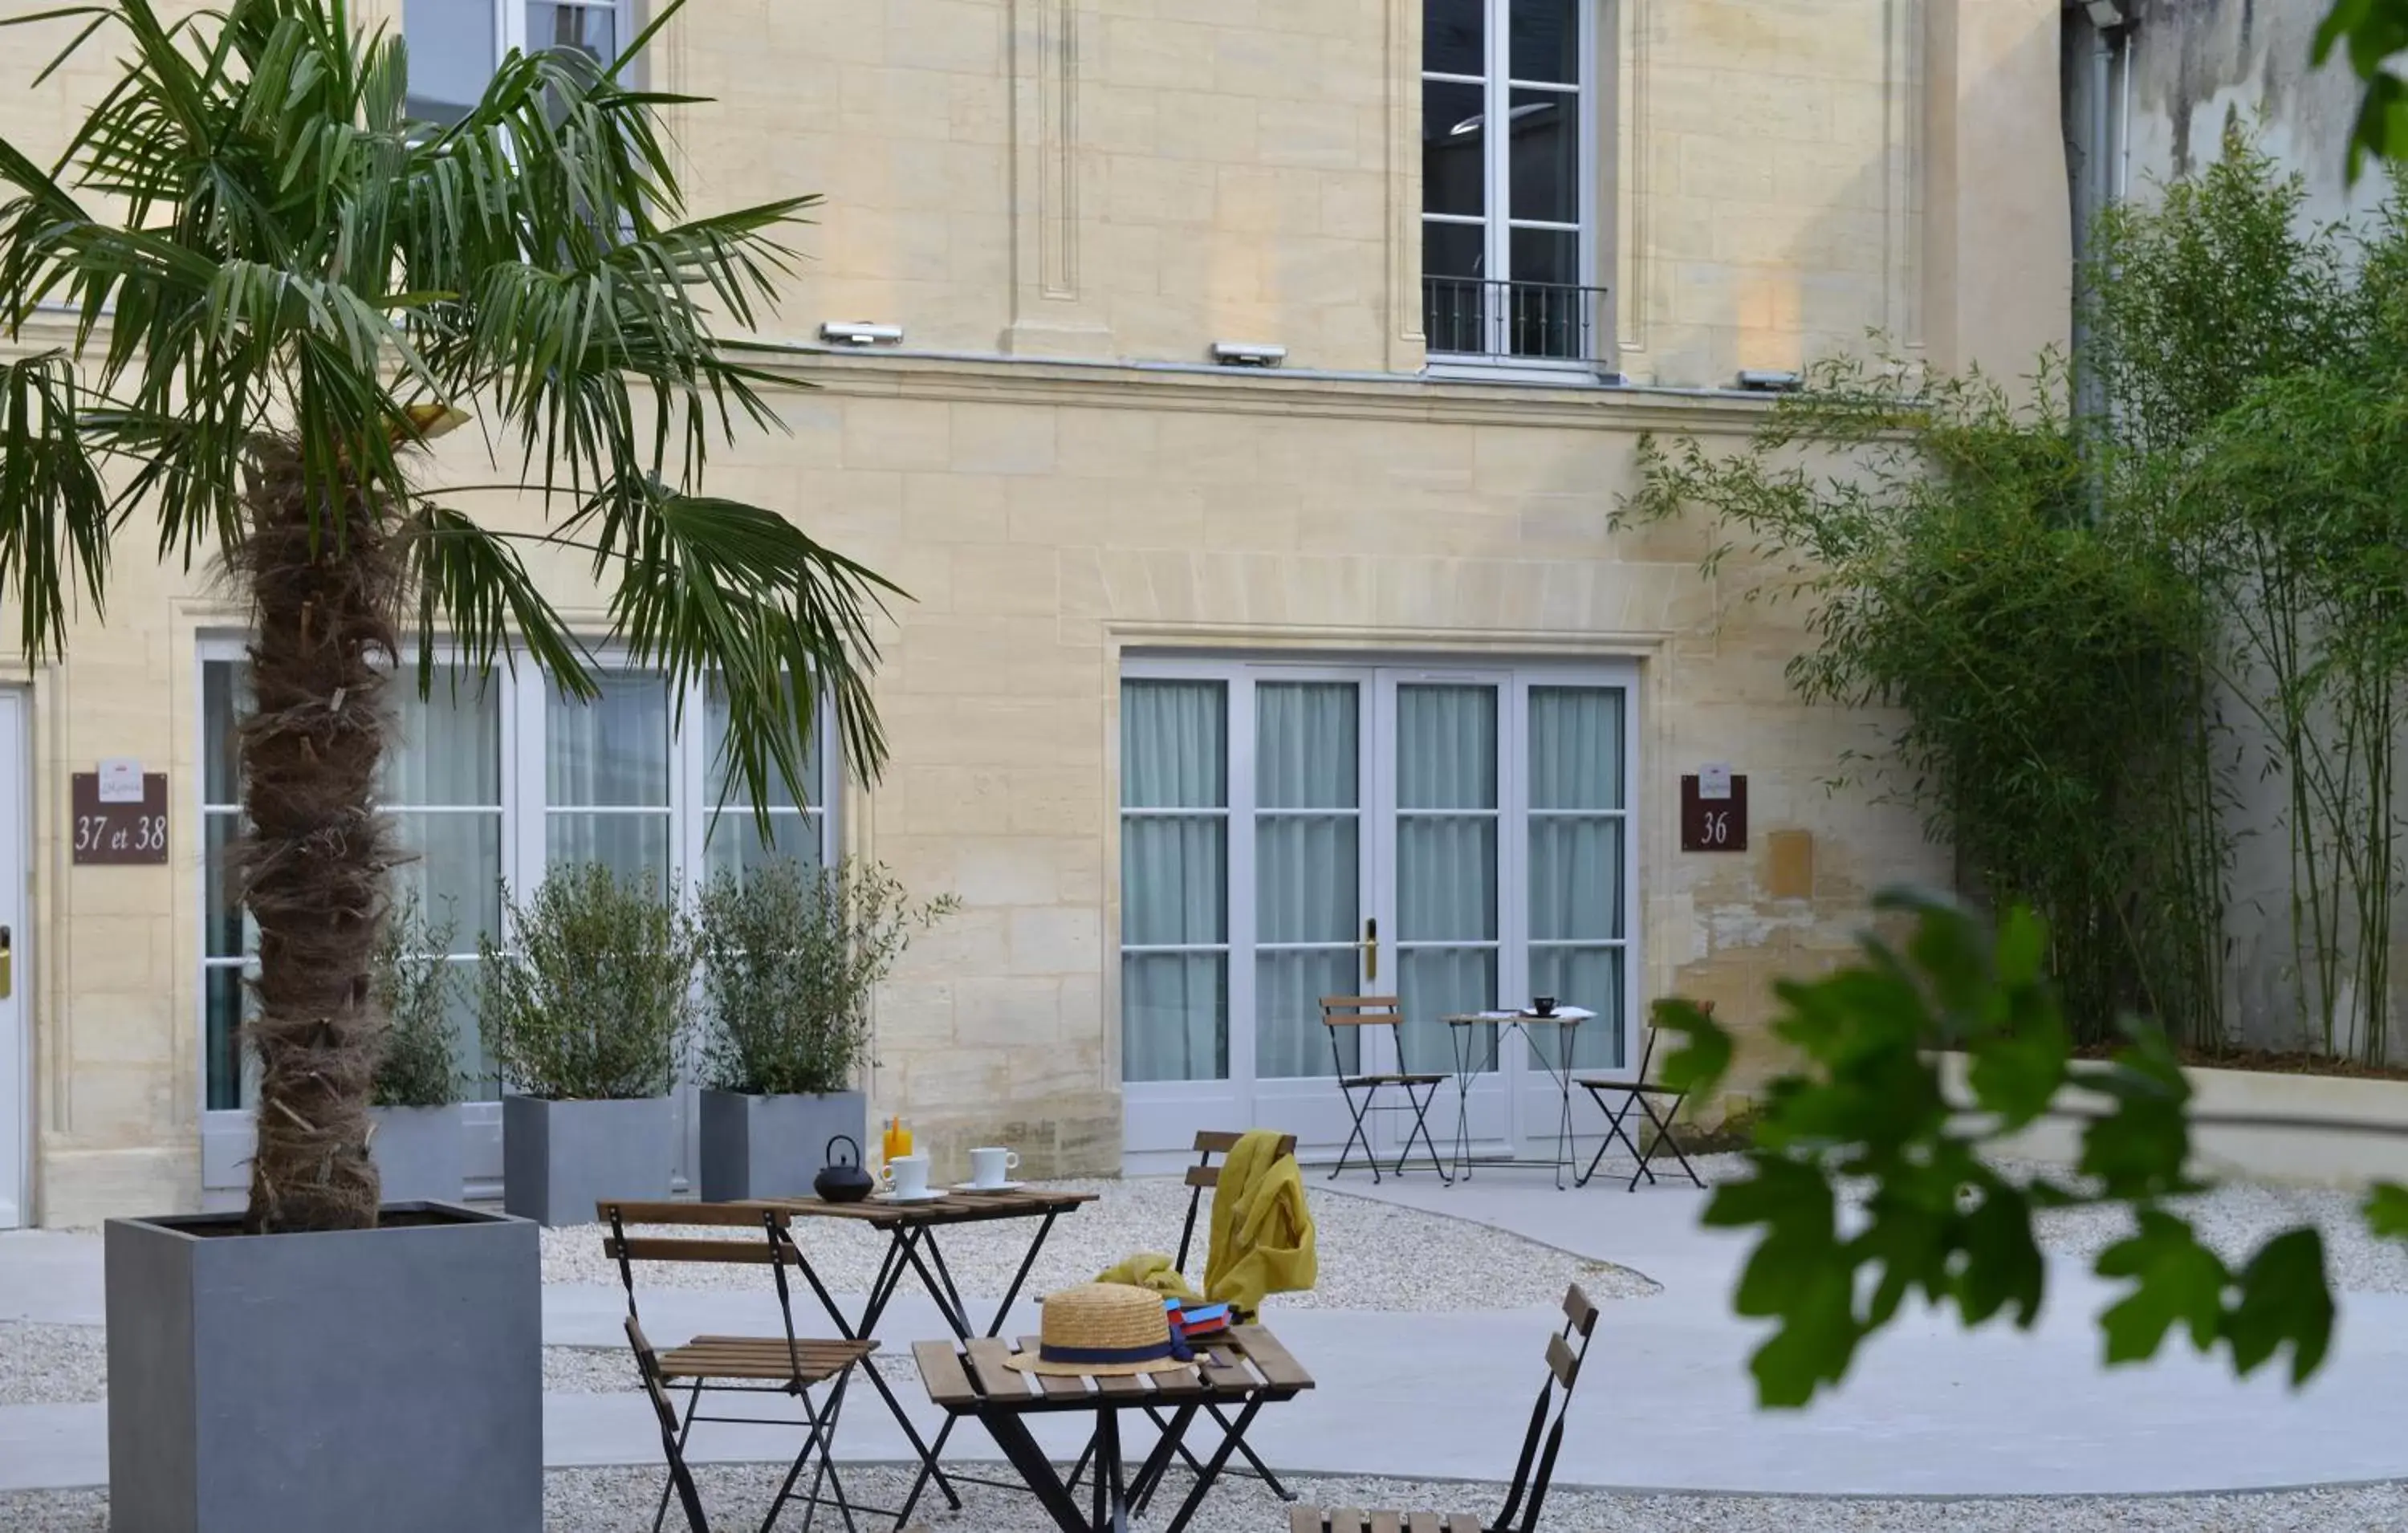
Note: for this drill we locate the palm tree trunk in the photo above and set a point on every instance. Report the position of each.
(313, 860)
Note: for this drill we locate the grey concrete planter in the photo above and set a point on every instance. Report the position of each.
(772, 1146)
(422, 1153)
(383, 1380)
(561, 1158)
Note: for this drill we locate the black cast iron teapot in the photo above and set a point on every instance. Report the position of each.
(839, 1182)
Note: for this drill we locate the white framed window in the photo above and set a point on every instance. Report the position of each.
(457, 45)
(1457, 836)
(1510, 154)
(488, 786)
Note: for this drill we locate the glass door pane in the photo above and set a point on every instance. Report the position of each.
(1308, 871)
(1174, 881)
(607, 778)
(1579, 924)
(1446, 850)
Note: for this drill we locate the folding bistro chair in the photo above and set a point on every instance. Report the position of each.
(1358, 1012)
(1641, 1093)
(734, 1365)
(1536, 1470)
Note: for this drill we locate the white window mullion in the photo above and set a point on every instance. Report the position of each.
(1240, 923)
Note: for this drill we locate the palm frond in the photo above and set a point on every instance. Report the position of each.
(55, 508)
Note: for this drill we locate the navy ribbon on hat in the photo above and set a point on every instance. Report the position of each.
(1172, 1348)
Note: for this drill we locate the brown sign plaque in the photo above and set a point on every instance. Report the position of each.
(1713, 824)
(119, 833)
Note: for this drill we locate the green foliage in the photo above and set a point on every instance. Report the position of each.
(2041, 661)
(790, 956)
(246, 234)
(593, 999)
(2374, 32)
(414, 983)
(1940, 1224)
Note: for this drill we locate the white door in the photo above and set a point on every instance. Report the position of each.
(16, 1107)
(1452, 836)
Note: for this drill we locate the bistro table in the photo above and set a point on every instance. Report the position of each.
(912, 1246)
(1245, 1368)
(1565, 1021)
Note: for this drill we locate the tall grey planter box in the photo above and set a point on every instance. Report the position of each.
(561, 1158)
(380, 1381)
(421, 1152)
(773, 1146)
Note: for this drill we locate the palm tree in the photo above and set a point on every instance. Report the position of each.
(268, 289)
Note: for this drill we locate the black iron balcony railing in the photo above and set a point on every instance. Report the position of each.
(1474, 317)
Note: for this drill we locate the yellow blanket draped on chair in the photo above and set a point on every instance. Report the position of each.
(1262, 1240)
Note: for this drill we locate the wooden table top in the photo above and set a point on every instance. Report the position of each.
(1242, 1362)
(954, 1207)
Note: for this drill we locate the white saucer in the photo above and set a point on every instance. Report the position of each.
(931, 1196)
(988, 1186)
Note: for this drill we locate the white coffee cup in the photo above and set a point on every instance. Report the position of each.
(906, 1176)
(991, 1166)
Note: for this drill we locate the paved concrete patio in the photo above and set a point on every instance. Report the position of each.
(1664, 1405)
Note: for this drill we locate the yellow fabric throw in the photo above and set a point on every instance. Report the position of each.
(1152, 1270)
(1262, 1232)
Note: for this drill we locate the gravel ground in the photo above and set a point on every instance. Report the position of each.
(621, 1501)
(1373, 1255)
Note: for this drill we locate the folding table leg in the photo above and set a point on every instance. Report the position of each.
(1213, 1466)
(1012, 1434)
(882, 1292)
(1173, 1441)
(1246, 1450)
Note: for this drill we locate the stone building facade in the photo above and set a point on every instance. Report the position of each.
(1219, 685)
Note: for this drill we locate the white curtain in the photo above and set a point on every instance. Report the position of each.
(442, 790)
(734, 840)
(1446, 864)
(1174, 881)
(451, 55)
(1576, 860)
(1308, 870)
(609, 754)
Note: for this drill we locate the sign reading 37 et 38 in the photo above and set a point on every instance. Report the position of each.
(117, 827)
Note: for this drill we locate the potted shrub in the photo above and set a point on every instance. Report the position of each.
(790, 955)
(585, 1013)
(416, 1139)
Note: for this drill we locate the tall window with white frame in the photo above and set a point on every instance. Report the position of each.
(1508, 128)
(457, 45)
(487, 787)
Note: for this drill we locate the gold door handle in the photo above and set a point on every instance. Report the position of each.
(1371, 949)
(8, 965)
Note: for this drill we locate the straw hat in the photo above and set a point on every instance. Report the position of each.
(1103, 1330)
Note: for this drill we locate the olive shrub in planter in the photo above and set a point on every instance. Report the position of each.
(586, 1012)
(790, 955)
(417, 1142)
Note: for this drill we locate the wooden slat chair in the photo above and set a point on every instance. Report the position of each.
(1567, 1349)
(1643, 1094)
(787, 1365)
(1419, 1090)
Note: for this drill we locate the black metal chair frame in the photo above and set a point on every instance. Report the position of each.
(1641, 1093)
(1419, 1089)
(1534, 1472)
(1200, 1176)
(820, 1423)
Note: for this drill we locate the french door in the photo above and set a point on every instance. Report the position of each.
(1454, 835)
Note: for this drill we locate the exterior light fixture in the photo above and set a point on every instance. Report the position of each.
(1767, 380)
(1240, 353)
(2106, 15)
(844, 332)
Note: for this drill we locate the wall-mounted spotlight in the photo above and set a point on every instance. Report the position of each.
(1240, 353)
(1768, 380)
(844, 333)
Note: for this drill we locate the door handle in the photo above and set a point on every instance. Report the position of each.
(1370, 947)
(8, 964)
